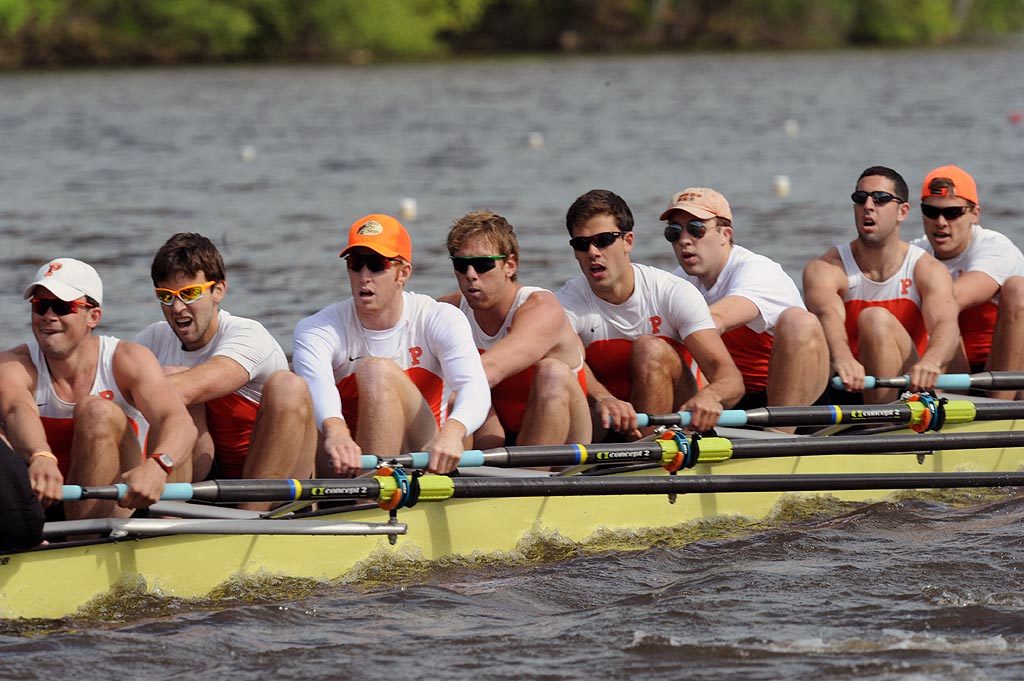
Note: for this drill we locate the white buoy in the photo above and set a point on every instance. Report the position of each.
(536, 140)
(792, 127)
(407, 208)
(247, 152)
(782, 186)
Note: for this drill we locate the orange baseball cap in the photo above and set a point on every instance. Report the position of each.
(962, 184)
(699, 201)
(380, 233)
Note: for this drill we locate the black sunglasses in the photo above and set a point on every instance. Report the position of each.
(880, 198)
(374, 261)
(480, 263)
(60, 307)
(602, 240)
(950, 213)
(694, 228)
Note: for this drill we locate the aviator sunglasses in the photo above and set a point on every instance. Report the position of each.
(880, 198)
(602, 240)
(186, 294)
(375, 262)
(60, 307)
(480, 263)
(694, 228)
(950, 212)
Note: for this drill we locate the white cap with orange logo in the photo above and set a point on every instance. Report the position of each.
(68, 279)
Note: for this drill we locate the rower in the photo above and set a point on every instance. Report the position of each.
(637, 323)
(986, 268)
(778, 345)
(76, 405)
(255, 417)
(531, 355)
(379, 364)
(886, 306)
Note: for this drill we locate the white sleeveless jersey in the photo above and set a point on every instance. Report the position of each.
(899, 294)
(58, 415)
(482, 340)
(432, 343)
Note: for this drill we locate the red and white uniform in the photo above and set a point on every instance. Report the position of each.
(898, 294)
(764, 283)
(661, 305)
(58, 415)
(995, 255)
(509, 397)
(231, 418)
(431, 343)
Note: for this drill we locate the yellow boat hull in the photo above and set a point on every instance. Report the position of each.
(57, 582)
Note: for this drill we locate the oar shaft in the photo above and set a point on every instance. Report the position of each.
(538, 455)
(986, 380)
(957, 411)
(852, 444)
(466, 488)
(233, 491)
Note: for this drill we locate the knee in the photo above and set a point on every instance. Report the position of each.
(286, 387)
(651, 352)
(873, 321)
(93, 413)
(376, 373)
(1011, 295)
(798, 326)
(552, 376)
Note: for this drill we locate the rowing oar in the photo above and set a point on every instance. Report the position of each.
(673, 453)
(383, 488)
(986, 380)
(909, 413)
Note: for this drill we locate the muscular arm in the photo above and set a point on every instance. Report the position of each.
(725, 386)
(733, 312)
(939, 309)
(536, 328)
(20, 421)
(974, 288)
(215, 378)
(824, 286)
(172, 432)
(141, 379)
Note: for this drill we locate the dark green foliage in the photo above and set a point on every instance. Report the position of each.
(58, 32)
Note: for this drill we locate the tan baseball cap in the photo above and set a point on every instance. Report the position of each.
(699, 201)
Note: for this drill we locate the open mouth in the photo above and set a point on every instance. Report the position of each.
(365, 294)
(597, 270)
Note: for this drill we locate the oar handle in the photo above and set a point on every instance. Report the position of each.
(729, 417)
(470, 458)
(944, 382)
(173, 491)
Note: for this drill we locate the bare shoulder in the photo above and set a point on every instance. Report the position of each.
(16, 364)
(826, 259)
(453, 298)
(132, 357)
(929, 270)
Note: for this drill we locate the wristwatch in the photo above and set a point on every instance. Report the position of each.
(164, 461)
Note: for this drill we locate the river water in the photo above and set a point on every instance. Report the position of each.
(275, 163)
